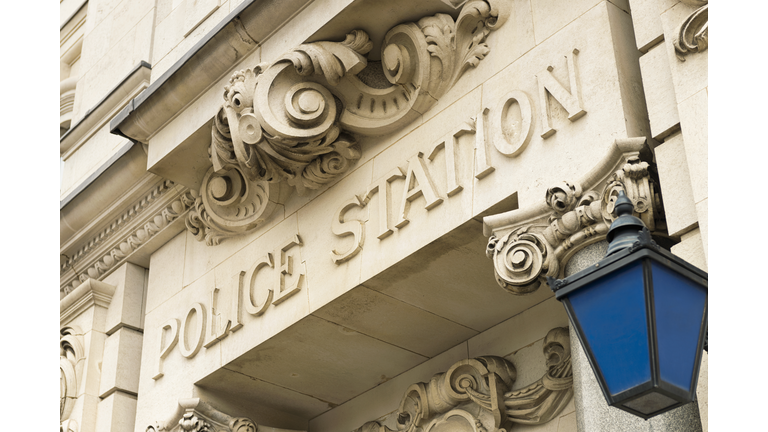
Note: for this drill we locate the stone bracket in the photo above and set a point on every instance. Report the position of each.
(527, 246)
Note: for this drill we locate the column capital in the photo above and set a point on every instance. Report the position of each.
(530, 244)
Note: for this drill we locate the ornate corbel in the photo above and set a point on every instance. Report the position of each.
(529, 245)
(292, 124)
(71, 360)
(475, 394)
(692, 34)
(195, 415)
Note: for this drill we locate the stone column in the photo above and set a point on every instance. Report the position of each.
(592, 411)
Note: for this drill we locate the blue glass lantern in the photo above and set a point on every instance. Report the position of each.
(640, 314)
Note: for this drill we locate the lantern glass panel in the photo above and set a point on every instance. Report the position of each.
(679, 304)
(612, 314)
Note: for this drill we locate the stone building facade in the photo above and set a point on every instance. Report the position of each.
(337, 215)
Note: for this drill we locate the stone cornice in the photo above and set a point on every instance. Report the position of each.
(104, 110)
(232, 39)
(143, 227)
(528, 245)
(89, 293)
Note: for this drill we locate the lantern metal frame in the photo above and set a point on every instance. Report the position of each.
(628, 246)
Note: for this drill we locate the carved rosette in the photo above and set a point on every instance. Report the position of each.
(71, 356)
(693, 33)
(528, 246)
(294, 121)
(474, 394)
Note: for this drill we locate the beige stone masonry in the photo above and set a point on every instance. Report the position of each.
(659, 92)
(679, 208)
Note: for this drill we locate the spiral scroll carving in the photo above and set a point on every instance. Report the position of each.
(229, 204)
(520, 259)
(693, 33)
(525, 254)
(475, 394)
(295, 121)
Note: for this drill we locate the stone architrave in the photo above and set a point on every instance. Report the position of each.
(291, 124)
(475, 394)
(528, 245)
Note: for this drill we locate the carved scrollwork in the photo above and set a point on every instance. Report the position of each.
(71, 355)
(195, 415)
(520, 258)
(527, 247)
(475, 394)
(294, 121)
(229, 204)
(693, 33)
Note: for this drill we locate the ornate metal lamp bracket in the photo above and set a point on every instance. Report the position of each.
(527, 246)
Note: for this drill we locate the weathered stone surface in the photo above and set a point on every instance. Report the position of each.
(300, 255)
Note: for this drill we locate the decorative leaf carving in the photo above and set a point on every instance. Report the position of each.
(526, 253)
(474, 394)
(294, 121)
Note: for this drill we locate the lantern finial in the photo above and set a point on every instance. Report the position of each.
(625, 230)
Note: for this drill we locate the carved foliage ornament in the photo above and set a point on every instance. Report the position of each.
(474, 394)
(527, 248)
(293, 122)
(195, 415)
(693, 33)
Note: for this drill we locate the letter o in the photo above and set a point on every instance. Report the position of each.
(198, 332)
(502, 144)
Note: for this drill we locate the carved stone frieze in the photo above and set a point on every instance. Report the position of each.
(527, 246)
(294, 121)
(195, 415)
(138, 225)
(693, 33)
(475, 394)
(71, 360)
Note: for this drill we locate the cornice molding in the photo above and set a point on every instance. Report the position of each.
(136, 229)
(528, 245)
(294, 121)
(103, 111)
(89, 293)
(475, 395)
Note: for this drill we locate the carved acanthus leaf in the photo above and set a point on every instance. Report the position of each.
(528, 246)
(294, 121)
(474, 394)
(693, 33)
